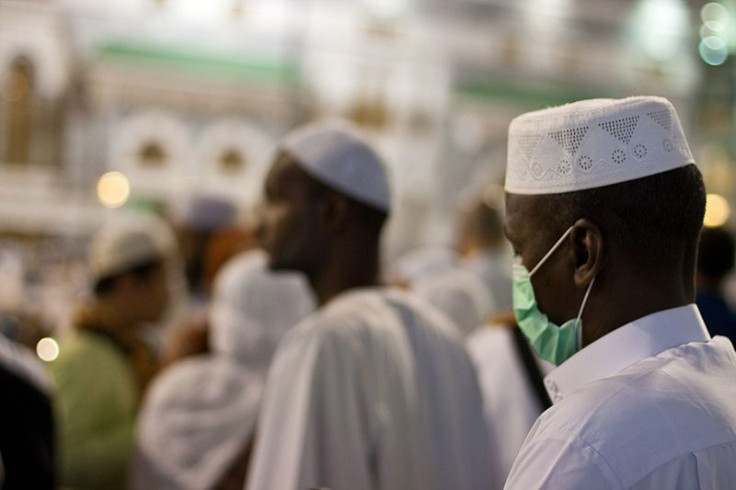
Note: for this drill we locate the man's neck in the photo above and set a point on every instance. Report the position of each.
(342, 272)
(631, 303)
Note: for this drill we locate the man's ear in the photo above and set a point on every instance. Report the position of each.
(589, 248)
(334, 210)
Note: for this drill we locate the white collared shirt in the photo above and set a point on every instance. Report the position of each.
(651, 405)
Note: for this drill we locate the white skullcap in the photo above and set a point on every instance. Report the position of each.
(460, 295)
(194, 422)
(127, 243)
(253, 307)
(337, 155)
(593, 143)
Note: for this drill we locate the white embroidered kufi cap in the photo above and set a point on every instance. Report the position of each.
(593, 143)
(337, 155)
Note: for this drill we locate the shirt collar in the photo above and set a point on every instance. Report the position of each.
(612, 353)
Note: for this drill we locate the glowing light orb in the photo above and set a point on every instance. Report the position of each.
(47, 349)
(113, 189)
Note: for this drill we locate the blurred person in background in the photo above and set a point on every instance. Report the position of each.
(420, 263)
(208, 235)
(460, 295)
(374, 389)
(105, 364)
(715, 262)
(511, 378)
(433, 273)
(27, 453)
(509, 372)
(483, 248)
(197, 421)
(197, 222)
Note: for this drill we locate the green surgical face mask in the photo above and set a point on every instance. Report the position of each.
(554, 343)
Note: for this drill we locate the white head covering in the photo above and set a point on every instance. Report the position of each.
(127, 243)
(460, 295)
(197, 417)
(593, 143)
(199, 414)
(253, 307)
(336, 154)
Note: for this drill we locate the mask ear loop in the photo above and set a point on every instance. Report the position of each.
(551, 251)
(580, 313)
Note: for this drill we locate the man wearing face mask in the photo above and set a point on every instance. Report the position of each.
(604, 207)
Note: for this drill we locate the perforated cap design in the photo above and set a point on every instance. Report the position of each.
(593, 143)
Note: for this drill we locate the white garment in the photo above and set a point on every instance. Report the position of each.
(198, 416)
(494, 269)
(460, 295)
(651, 405)
(510, 404)
(374, 391)
(421, 263)
(253, 307)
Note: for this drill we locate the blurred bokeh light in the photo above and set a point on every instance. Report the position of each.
(717, 211)
(113, 189)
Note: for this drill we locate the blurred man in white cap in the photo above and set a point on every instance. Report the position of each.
(197, 421)
(104, 365)
(604, 206)
(374, 390)
(483, 247)
(510, 375)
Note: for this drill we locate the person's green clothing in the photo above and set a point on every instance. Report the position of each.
(97, 398)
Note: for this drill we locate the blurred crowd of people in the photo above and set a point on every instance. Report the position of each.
(283, 353)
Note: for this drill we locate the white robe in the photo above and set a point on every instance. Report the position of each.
(510, 404)
(373, 391)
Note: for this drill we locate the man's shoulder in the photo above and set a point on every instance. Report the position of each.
(371, 317)
(84, 345)
(372, 308)
(663, 386)
(650, 413)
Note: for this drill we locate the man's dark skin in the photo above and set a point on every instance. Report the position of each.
(625, 289)
(308, 227)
